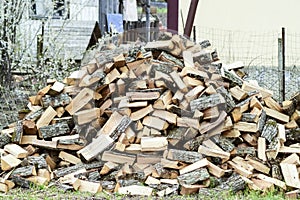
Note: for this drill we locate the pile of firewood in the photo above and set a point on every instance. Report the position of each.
(162, 118)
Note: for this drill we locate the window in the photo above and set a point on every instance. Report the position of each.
(56, 9)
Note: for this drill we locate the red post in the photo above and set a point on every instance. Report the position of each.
(173, 10)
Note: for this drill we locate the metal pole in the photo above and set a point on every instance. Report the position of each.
(283, 63)
(148, 20)
(172, 18)
(190, 19)
(280, 68)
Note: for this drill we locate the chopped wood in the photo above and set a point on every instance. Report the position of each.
(69, 157)
(16, 150)
(136, 190)
(80, 100)
(277, 115)
(261, 149)
(290, 174)
(154, 143)
(139, 114)
(155, 122)
(88, 186)
(118, 157)
(180, 84)
(246, 127)
(46, 117)
(199, 164)
(96, 147)
(9, 161)
(214, 153)
(271, 180)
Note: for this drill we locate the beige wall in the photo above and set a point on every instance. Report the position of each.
(245, 14)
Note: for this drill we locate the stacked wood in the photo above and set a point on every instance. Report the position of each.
(163, 118)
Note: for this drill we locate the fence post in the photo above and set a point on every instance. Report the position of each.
(280, 97)
(283, 63)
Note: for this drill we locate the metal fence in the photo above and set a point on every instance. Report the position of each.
(261, 53)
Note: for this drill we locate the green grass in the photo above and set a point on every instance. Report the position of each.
(51, 193)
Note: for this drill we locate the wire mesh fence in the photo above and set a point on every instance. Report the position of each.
(261, 54)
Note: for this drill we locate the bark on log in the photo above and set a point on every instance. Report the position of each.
(54, 130)
(262, 121)
(270, 130)
(38, 161)
(248, 117)
(17, 135)
(22, 182)
(184, 156)
(230, 104)
(35, 115)
(193, 177)
(193, 144)
(61, 100)
(25, 171)
(4, 140)
(205, 102)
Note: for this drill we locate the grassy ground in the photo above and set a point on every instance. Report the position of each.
(45, 193)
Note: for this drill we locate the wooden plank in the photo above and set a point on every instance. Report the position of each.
(96, 147)
(84, 96)
(277, 115)
(16, 150)
(46, 117)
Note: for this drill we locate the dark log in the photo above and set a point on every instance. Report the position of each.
(193, 144)
(205, 102)
(233, 79)
(184, 156)
(226, 144)
(292, 136)
(289, 108)
(230, 104)
(94, 176)
(67, 170)
(179, 112)
(25, 171)
(22, 182)
(108, 185)
(175, 135)
(262, 121)
(242, 151)
(204, 57)
(35, 115)
(193, 177)
(54, 130)
(248, 117)
(270, 130)
(276, 172)
(38, 161)
(61, 100)
(122, 126)
(233, 184)
(170, 59)
(17, 135)
(4, 140)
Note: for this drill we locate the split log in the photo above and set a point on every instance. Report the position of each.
(205, 102)
(96, 147)
(9, 161)
(136, 190)
(29, 127)
(46, 117)
(86, 116)
(4, 139)
(61, 100)
(184, 156)
(16, 150)
(270, 130)
(17, 135)
(80, 100)
(54, 130)
(118, 157)
(25, 171)
(154, 143)
(193, 177)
